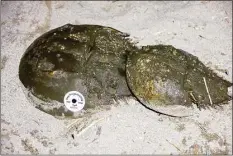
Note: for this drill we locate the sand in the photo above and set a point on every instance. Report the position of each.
(201, 28)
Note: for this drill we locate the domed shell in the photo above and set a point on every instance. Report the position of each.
(89, 59)
(169, 80)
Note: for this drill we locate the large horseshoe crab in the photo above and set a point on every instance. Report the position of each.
(103, 64)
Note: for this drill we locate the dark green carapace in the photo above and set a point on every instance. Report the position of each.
(163, 75)
(86, 58)
(99, 61)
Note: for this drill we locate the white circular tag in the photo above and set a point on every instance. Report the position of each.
(74, 101)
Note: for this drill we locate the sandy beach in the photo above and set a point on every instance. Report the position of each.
(202, 28)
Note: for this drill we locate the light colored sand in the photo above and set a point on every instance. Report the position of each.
(200, 28)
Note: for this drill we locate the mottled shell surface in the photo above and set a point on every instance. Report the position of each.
(163, 76)
(103, 64)
(86, 58)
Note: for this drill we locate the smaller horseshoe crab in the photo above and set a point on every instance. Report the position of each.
(163, 77)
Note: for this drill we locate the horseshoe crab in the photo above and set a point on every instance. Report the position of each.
(87, 58)
(162, 77)
(103, 64)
